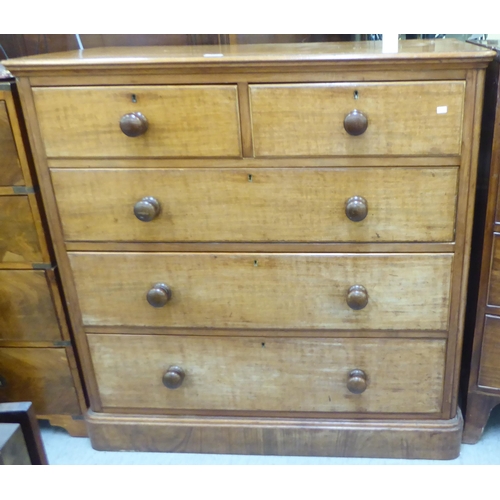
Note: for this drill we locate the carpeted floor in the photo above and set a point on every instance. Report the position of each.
(62, 449)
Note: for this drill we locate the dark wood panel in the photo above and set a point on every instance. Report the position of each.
(26, 308)
(489, 370)
(18, 235)
(494, 286)
(41, 376)
(13, 449)
(23, 413)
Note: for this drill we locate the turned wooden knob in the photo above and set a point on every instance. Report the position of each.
(159, 295)
(134, 124)
(355, 123)
(173, 377)
(356, 208)
(356, 382)
(357, 297)
(147, 209)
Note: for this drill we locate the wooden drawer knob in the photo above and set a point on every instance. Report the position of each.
(356, 208)
(356, 382)
(173, 377)
(147, 209)
(159, 295)
(355, 123)
(134, 124)
(357, 297)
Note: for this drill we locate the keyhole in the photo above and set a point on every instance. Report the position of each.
(356, 95)
(250, 178)
(134, 98)
(255, 263)
(263, 344)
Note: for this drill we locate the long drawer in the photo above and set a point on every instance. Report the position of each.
(403, 118)
(182, 120)
(26, 306)
(269, 374)
(39, 375)
(282, 204)
(301, 291)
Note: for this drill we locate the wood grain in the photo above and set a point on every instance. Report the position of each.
(264, 290)
(257, 163)
(41, 376)
(26, 309)
(208, 205)
(421, 54)
(489, 369)
(53, 222)
(227, 373)
(437, 439)
(183, 121)
(308, 119)
(10, 168)
(18, 235)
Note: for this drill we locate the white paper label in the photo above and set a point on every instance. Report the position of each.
(442, 110)
(213, 55)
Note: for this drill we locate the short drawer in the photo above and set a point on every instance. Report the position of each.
(27, 311)
(10, 168)
(489, 367)
(182, 121)
(39, 375)
(269, 374)
(297, 291)
(18, 236)
(282, 204)
(417, 118)
(494, 284)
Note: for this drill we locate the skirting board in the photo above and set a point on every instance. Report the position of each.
(412, 439)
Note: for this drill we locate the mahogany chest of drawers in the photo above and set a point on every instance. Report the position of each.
(264, 249)
(484, 380)
(37, 361)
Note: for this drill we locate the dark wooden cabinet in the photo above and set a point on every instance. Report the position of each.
(37, 361)
(483, 381)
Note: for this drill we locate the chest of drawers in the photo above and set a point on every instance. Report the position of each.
(264, 250)
(484, 307)
(37, 361)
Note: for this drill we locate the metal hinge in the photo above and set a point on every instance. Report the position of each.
(24, 190)
(62, 343)
(42, 266)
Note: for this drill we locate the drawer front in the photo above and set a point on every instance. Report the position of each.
(10, 168)
(182, 121)
(494, 284)
(39, 375)
(423, 118)
(269, 374)
(18, 236)
(283, 204)
(301, 291)
(489, 367)
(26, 309)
